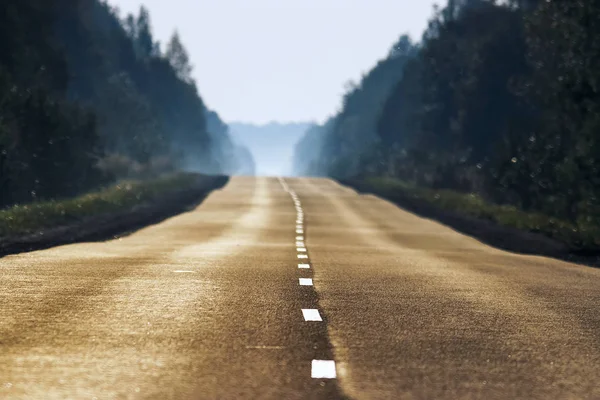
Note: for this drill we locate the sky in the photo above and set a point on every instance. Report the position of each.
(281, 60)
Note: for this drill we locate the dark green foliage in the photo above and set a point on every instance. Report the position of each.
(47, 146)
(500, 100)
(86, 98)
(353, 130)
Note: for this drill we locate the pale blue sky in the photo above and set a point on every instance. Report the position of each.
(283, 60)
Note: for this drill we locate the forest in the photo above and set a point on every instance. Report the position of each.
(88, 97)
(497, 99)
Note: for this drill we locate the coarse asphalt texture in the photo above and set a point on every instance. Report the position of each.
(209, 305)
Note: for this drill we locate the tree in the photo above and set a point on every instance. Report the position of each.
(145, 42)
(178, 57)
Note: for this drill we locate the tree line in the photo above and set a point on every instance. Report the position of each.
(88, 97)
(498, 99)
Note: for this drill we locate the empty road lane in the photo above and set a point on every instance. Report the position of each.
(296, 288)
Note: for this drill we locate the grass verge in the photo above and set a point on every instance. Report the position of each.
(577, 239)
(33, 218)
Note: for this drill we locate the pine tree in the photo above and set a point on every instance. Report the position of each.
(178, 58)
(145, 42)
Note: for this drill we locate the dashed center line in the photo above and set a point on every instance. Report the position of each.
(305, 281)
(311, 314)
(320, 369)
(323, 369)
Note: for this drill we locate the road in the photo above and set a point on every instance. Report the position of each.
(209, 305)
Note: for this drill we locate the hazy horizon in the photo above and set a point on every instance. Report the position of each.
(272, 145)
(274, 62)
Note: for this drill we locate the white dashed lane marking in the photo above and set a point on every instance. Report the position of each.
(305, 281)
(311, 314)
(323, 369)
(320, 369)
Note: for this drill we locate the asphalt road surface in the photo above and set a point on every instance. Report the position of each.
(296, 289)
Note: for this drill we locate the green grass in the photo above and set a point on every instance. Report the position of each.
(29, 218)
(576, 237)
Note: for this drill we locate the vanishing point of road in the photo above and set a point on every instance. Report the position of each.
(296, 288)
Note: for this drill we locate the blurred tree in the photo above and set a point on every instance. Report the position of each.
(179, 59)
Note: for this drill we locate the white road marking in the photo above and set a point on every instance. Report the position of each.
(305, 281)
(184, 272)
(300, 244)
(323, 369)
(304, 266)
(302, 256)
(301, 249)
(311, 314)
(299, 237)
(299, 231)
